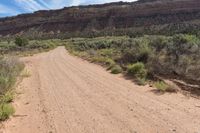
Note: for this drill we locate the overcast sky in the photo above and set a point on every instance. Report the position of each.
(14, 7)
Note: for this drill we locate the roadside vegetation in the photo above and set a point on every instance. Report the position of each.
(161, 86)
(10, 69)
(23, 46)
(140, 58)
(143, 57)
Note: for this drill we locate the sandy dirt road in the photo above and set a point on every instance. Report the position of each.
(65, 94)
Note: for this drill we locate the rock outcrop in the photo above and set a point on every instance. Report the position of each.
(144, 16)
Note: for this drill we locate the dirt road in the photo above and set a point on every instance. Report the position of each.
(65, 94)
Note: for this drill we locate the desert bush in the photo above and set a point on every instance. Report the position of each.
(44, 44)
(5, 47)
(21, 46)
(110, 63)
(161, 86)
(98, 59)
(159, 42)
(25, 73)
(116, 69)
(7, 97)
(138, 70)
(176, 55)
(107, 52)
(21, 42)
(10, 68)
(5, 111)
(138, 50)
(141, 81)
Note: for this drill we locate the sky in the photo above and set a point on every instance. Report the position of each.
(15, 7)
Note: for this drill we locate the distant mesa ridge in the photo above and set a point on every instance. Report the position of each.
(141, 17)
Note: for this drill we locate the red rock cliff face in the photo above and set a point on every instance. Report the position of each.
(144, 13)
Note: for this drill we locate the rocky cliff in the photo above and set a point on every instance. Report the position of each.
(143, 16)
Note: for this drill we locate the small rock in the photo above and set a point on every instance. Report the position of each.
(174, 130)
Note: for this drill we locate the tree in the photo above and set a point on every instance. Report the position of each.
(21, 42)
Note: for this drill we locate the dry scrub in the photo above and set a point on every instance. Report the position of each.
(10, 68)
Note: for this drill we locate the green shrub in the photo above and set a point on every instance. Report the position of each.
(161, 86)
(159, 42)
(141, 81)
(10, 68)
(162, 55)
(7, 98)
(138, 70)
(26, 73)
(98, 59)
(5, 111)
(107, 52)
(21, 42)
(110, 63)
(116, 69)
(3, 82)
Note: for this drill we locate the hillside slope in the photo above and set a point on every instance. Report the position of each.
(144, 16)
